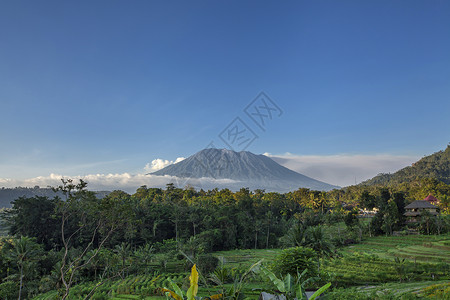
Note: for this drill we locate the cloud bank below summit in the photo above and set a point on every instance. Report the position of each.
(125, 181)
(334, 169)
(343, 169)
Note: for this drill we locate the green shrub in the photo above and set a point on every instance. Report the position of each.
(8, 290)
(100, 296)
(437, 291)
(207, 263)
(222, 274)
(295, 260)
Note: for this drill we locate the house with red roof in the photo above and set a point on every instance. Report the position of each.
(417, 208)
(431, 199)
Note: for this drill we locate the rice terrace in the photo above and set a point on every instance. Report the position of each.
(383, 282)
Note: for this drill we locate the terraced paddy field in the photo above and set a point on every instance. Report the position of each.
(413, 290)
(242, 259)
(366, 268)
(148, 287)
(414, 248)
(246, 258)
(382, 259)
(419, 248)
(424, 288)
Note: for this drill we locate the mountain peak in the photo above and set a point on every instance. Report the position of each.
(246, 168)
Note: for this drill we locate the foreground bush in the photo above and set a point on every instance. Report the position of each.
(295, 260)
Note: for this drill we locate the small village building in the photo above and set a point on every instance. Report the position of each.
(417, 208)
(367, 213)
(431, 199)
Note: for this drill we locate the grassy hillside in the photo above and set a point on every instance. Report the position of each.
(435, 166)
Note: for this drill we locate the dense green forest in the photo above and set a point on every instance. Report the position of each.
(435, 166)
(57, 243)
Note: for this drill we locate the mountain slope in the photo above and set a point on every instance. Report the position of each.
(248, 169)
(435, 166)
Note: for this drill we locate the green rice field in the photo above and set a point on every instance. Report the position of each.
(368, 267)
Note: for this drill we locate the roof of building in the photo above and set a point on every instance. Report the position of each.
(431, 198)
(420, 204)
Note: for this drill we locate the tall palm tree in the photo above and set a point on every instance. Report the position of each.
(144, 255)
(124, 252)
(24, 252)
(316, 240)
(297, 234)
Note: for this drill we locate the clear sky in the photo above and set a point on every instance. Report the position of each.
(91, 87)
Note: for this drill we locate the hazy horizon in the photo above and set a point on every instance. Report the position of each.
(342, 170)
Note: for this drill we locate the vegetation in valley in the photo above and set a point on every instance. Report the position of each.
(80, 246)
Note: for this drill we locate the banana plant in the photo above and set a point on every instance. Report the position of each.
(178, 294)
(291, 287)
(235, 291)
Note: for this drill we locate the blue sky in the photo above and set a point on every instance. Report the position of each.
(92, 87)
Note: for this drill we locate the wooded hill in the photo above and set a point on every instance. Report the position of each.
(435, 166)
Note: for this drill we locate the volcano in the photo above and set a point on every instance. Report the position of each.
(243, 169)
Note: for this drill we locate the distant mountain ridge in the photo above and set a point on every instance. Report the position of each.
(248, 169)
(10, 194)
(436, 165)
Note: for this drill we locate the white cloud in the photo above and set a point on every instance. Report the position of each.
(158, 164)
(343, 169)
(334, 169)
(125, 181)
